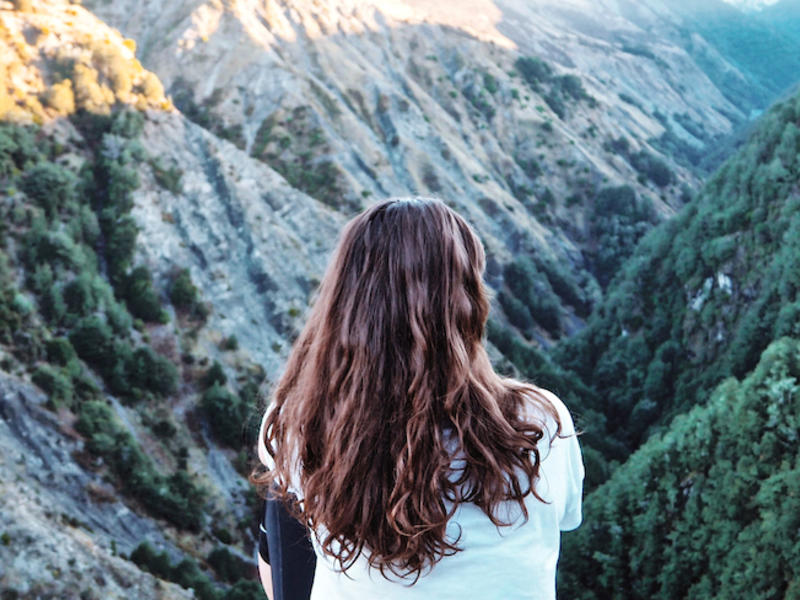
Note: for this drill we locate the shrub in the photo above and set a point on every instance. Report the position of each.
(57, 386)
(151, 87)
(652, 167)
(94, 342)
(18, 147)
(556, 103)
(215, 375)
(88, 94)
(50, 186)
(572, 86)
(244, 589)
(121, 245)
(141, 298)
(127, 123)
(225, 413)
(60, 351)
(230, 343)
(182, 292)
(79, 295)
(151, 371)
(60, 97)
(228, 567)
(529, 286)
(533, 70)
(144, 555)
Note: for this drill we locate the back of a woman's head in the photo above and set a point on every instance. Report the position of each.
(389, 363)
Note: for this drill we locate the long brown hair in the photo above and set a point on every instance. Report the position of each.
(389, 363)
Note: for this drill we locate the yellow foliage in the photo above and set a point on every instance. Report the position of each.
(108, 94)
(151, 87)
(130, 44)
(23, 5)
(6, 103)
(35, 108)
(88, 93)
(61, 98)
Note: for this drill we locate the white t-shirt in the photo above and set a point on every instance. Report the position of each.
(510, 563)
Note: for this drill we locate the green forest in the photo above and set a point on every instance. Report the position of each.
(694, 384)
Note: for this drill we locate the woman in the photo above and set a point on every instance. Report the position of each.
(418, 470)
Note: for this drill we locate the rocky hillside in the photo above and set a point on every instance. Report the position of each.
(158, 249)
(521, 115)
(153, 277)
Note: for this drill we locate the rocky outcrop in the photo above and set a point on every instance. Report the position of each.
(62, 526)
(254, 246)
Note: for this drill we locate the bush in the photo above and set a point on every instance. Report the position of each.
(79, 295)
(215, 375)
(556, 103)
(225, 413)
(93, 340)
(533, 289)
(244, 589)
(228, 567)
(50, 186)
(572, 86)
(533, 70)
(230, 343)
(60, 351)
(61, 98)
(156, 563)
(53, 382)
(141, 298)
(182, 292)
(654, 168)
(153, 372)
(18, 148)
(127, 123)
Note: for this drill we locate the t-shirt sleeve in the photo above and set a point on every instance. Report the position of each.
(569, 463)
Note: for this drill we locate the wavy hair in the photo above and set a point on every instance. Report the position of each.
(389, 364)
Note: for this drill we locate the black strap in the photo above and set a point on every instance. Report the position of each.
(284, 543)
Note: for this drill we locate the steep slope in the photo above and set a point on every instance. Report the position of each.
(708, 508)
(705, 292)
(151, 276)
(353, 101)
(719, 36)
(784, 16)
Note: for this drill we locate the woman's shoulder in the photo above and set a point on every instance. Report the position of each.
(539, 401)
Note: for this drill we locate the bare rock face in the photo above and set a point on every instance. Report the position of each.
(255, 246)
(352, 101)
(62, 526)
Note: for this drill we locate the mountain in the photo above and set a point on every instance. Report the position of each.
(695, 379)
(751, 5)
(783, 16)
(141, 260)
(704, 293)
(356, 101)
(158, 249)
